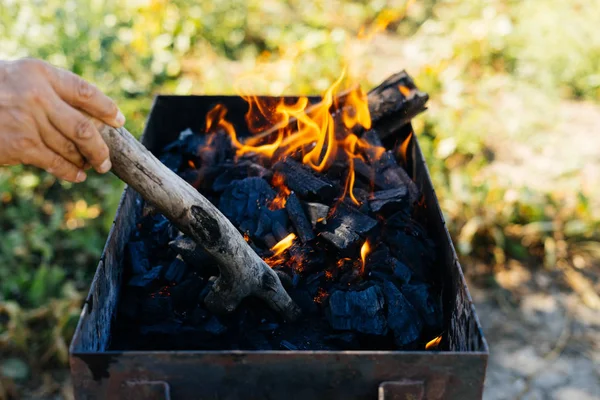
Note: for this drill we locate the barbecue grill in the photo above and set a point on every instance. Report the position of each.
(456, 370)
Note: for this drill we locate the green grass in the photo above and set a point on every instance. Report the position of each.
(468, 56)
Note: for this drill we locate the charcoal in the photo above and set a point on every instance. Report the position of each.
(204, 292)
(401, 271)
(270, 240)
(372, 137)
(239, 171)
(298, 218)
(285, 345)
(156, 308)
(138, 257)
(146, 279)
(387, 202)
(256, 341)
(304, 182)
(411, 250)
(317, 213)
(264, 223)
(281, 216)
(176, 270)
(268, 327)
(305, 256)
(361, 311)
(243, 199)
(192, 176)
(419, 296)
(248, 226)
(188, 143)
(304, 300)
(346, 340)
(347, 225)
(214, 326)
(364, 171)
(402, 318)
(193, 255)
(279, 231)
(172, 160)
(185, 294)
(198, 316)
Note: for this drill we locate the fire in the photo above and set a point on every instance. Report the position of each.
(432, 344)
(404, 90)
(364, 250)
(246, 237)
(283, 244)
(191, 164)
(281, 198)
(358, 112)
(404, 147)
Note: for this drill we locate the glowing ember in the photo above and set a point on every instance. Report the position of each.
(246, 237)
(191, 164)
(283, 244)
(364, 250)
(404, 90)
(281, 198)
(433, 343)
(321, 295)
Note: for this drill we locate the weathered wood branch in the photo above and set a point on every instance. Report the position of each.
(389, 104)
(242, 272)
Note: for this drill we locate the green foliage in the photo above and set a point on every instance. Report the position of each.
(494, 70)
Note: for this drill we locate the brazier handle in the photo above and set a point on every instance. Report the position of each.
(401, 390)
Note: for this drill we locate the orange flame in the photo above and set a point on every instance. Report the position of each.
(283, 244)
(191, 164)
(364, 250)
(433, 343)
(404, 90)
(404, 146)
(281, 198)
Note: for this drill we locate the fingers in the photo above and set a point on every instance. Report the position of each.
(81, 130)
(85, 96)
(42, 157)
(58, 143)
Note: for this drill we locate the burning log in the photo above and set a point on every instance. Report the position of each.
(243, 272)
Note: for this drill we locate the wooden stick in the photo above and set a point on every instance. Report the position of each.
(242, 272)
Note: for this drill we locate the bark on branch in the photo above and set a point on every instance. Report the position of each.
(242, 272)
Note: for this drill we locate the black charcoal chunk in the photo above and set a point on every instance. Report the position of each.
(146, 279)
(172, 160)
(389, 201)
(304, 182)
(176, 270)
(317, 213)
(138, 257)
(193, 255)
(424, 302)
(299, 221)
(402, 318)
(214, 327)
(156, 308)
(361, 311)
(346, 340)
(288, 346)
(279, 231)
(244, 199)
(257, 341)
(347, 226)
(401, 271)
(239, 171)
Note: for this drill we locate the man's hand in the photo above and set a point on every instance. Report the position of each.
(42, 123)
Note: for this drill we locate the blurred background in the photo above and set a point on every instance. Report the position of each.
(511, 137)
